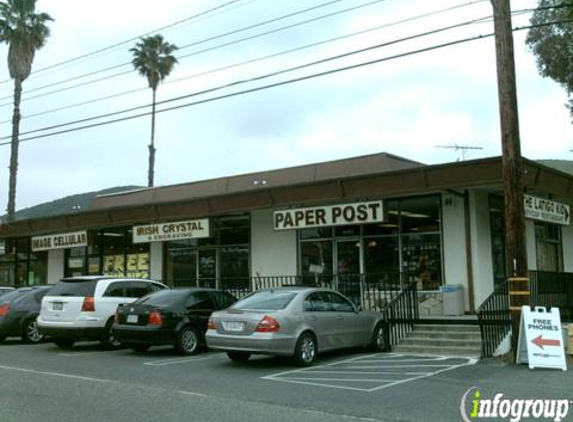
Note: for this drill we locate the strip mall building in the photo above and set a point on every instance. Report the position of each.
(367, 216)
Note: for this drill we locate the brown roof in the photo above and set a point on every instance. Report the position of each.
(361, 178)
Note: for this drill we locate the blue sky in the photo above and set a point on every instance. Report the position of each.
(406, 106)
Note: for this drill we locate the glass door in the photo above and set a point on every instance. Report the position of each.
(348, 268)
(208, 268)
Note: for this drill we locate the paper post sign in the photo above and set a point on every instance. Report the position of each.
(540, 335)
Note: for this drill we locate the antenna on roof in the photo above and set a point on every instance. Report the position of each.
(462, 148)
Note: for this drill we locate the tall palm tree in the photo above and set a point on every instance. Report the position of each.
(25, 31)
(152, 58)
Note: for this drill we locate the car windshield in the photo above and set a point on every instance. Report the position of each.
(74, 287)
(164, 297)
(268, 300)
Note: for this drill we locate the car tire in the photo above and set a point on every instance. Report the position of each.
(64, 343)
(139, 348)
(30, 333)
(378, 342)
(187, 341)
(239, 356)
(305, 350)
(109, 341)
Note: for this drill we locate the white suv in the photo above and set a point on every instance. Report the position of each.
(83, 308)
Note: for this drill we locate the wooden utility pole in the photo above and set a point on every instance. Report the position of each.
(513, 188)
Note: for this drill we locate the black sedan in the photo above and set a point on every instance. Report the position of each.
(18, 311)
(169, 317)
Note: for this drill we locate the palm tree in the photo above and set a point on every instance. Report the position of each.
(152, 58)
(25, 31)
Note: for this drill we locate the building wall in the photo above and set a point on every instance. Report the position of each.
(454, 243)
(567, 241)
(156, 260)
(55, 265)
(481, 245)
(272, 252)
(530, 241)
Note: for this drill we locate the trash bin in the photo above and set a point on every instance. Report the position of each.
(453, 299)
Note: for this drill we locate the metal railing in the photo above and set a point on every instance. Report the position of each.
(494, 320)
(400, 315)
(552, 289)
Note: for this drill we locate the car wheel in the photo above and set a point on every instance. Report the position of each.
(30, 333)
(378, 343)
(64, 343)
(187, 341)
(109, 340)
(305, 350)
(239, 356)
(139, 348)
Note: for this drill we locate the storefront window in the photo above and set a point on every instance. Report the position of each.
(221, 260)
(20, 267)
(548, 247)
(409, 241)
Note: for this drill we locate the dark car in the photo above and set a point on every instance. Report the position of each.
(169, 317)
(18, 311)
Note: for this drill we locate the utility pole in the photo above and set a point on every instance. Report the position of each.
(515, 241)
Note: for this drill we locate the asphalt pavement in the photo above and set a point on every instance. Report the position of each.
(45, 383)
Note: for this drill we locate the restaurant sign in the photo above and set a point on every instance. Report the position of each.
(59, 241)
(331, 215)
(171, 231)
(547, 210)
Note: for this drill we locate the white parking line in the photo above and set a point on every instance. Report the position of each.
(56, 374)
(176, 361)
(393, 371)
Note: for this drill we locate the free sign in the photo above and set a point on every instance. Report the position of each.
(540, 339)
(331, 215)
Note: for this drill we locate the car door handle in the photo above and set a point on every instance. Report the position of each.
(339, 317)
(312, 318)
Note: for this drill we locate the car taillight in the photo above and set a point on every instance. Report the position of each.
(4, 309)
(89, 304)
(155, 318)
(211, 325)
(268, 325)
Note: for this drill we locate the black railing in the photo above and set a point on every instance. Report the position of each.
(552, 290)
(494, 320)
(400, 315)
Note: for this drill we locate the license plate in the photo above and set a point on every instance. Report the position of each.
(132, 319)
(233, 325)
(57, 306)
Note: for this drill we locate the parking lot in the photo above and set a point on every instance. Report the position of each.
(45, 383)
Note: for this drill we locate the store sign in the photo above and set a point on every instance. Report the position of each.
(332, 215)
(540, 342)
(59, 241)
(547, 210)
(171, 231)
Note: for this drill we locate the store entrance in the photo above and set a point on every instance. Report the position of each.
(348, 268)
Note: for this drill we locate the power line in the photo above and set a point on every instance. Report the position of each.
(246, 28)
(282, 83)
(121, 43)
(261, 58)
(265, 76)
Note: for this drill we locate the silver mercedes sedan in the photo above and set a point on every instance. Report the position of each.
(293, 321)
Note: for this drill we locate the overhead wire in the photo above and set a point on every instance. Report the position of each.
(277, 84)
(115, 46)
(406, 20)
(203, 41)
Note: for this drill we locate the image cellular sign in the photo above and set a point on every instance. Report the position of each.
(330, 215)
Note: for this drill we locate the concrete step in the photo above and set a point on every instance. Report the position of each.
(458, 328)
(440, 342)
(439, 335)
(469, 352)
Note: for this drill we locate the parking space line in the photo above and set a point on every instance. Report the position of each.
(56, 374)
(392, 371)
(176, 361)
